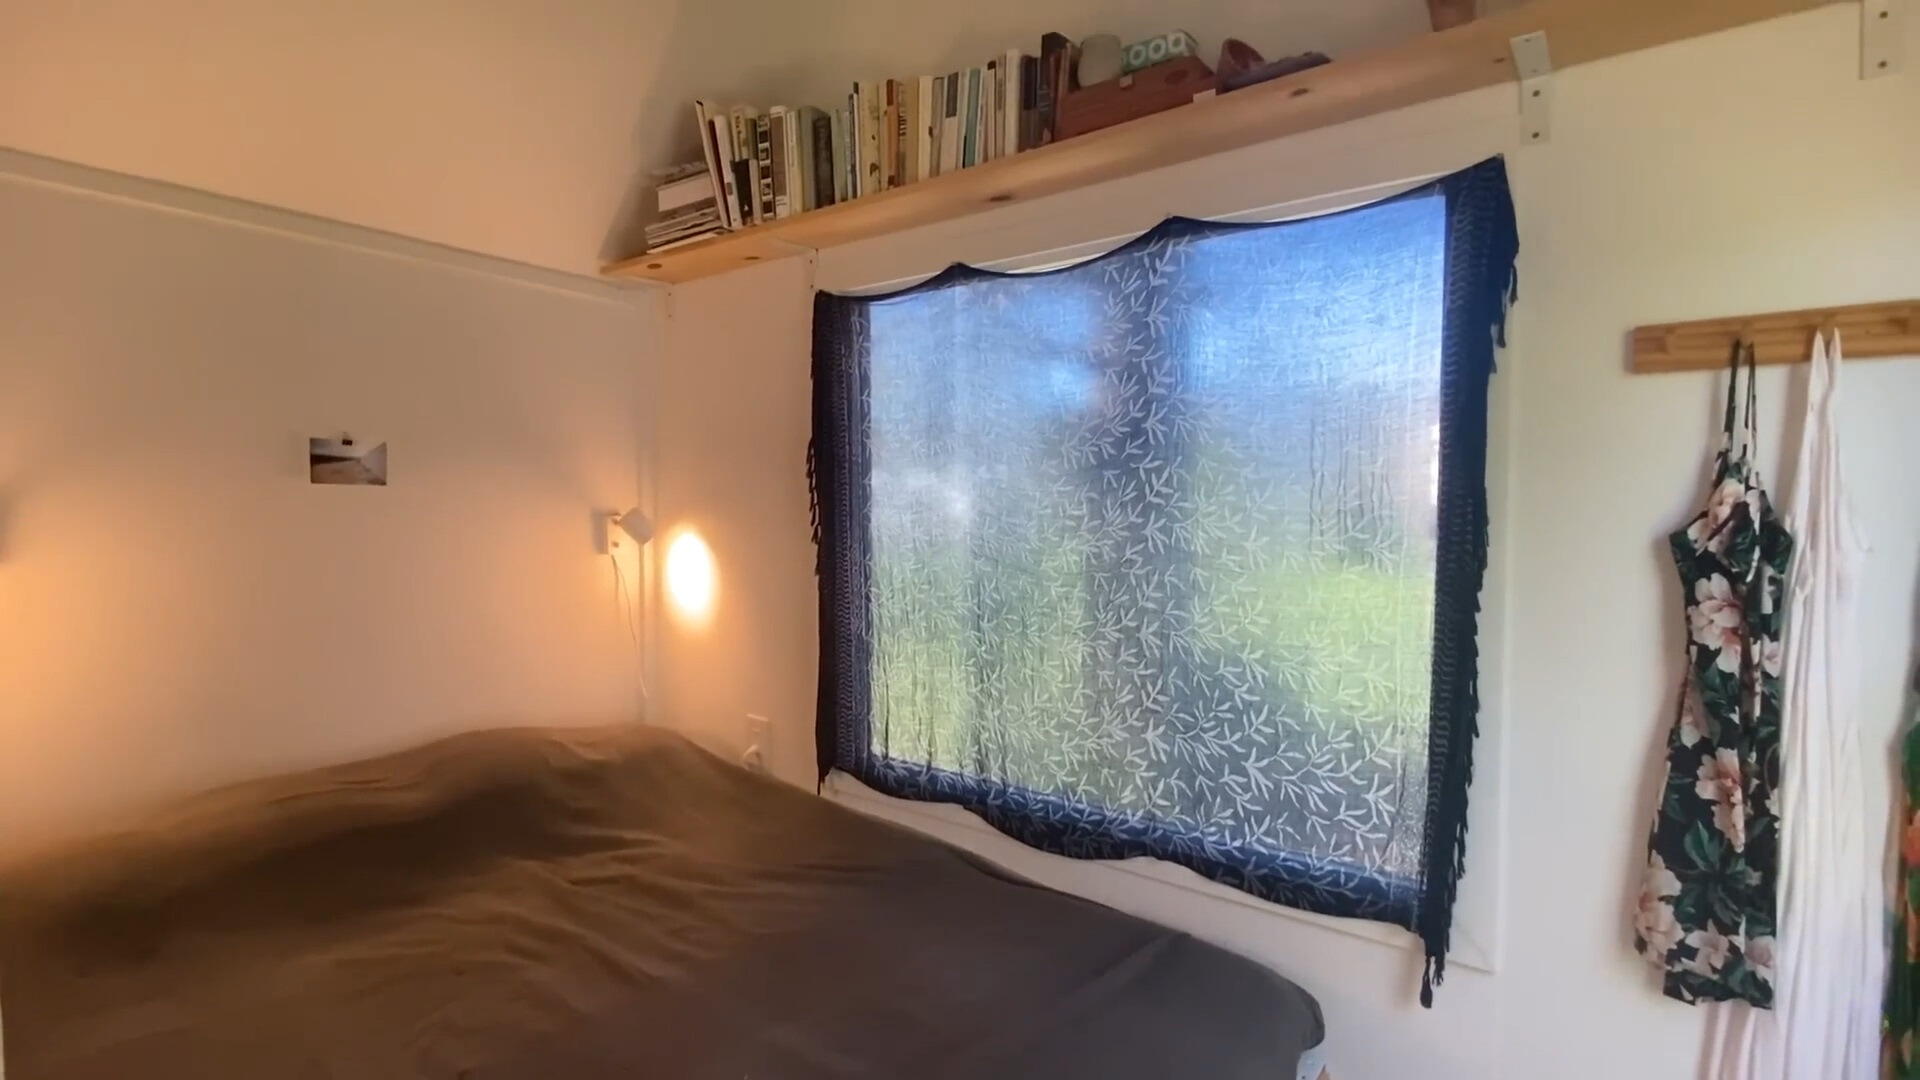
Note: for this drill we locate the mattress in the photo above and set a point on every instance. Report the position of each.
(612, 902)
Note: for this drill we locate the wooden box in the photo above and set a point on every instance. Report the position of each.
(1129, 97)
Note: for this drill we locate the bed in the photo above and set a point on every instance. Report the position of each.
(613, 902)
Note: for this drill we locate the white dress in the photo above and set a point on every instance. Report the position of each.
(1831, 953)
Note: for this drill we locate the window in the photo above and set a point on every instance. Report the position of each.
(1177, 552)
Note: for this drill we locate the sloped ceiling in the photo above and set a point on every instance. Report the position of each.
(523, 129)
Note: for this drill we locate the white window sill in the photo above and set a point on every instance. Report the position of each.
(962, 828)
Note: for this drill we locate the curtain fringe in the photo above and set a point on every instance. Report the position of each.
(1482, 231)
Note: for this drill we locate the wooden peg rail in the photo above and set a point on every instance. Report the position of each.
(1786, 337)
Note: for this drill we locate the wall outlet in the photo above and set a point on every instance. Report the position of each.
(759, 743)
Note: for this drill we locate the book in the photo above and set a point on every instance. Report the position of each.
(799, 160)
(986, 111)
(741, 118)
(686, 222)
(693, 225)
(856, 138)
(890, 135)
(871, 109)
(910, 132)
(923, 99)
(950, 126)
(884, 125)
(816, 157)
(720, 140)
(1010, 68)
(936, 123)
(982, 113)
(685, 240)
(678, 193)
(678, 172)
(702, 116)
(777, 161)
(1000, 80)
(1056, 52)
(990, 110)
(970, 121)
(763, 161)
(1029, 102)
(661, 243)
(662, 231)
(842, 120)
(902, 132)
(722, 135)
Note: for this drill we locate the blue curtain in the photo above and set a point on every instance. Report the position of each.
(1177, 552)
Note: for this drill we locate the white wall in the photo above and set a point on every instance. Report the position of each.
(178, 606)
(1750, 171)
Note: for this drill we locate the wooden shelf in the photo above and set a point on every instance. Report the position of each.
(1782, 337)
(1430, 67)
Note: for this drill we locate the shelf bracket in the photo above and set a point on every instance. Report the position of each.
(1533, 65)
(1882, 37)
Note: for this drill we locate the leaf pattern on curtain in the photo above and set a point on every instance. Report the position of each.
(1140, 556)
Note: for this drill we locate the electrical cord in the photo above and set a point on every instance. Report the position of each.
(628, 609)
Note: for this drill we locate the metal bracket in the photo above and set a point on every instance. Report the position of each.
(1534, 68)
(1883, 37)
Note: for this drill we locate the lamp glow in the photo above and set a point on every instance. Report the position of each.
(690, 575)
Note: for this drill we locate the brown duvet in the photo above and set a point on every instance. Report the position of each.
(527, 904)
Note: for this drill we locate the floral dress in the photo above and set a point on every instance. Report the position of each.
(1708, 903)
(1902, 1026)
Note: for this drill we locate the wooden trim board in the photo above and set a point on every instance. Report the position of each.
(1430, 67)
(1785, 337)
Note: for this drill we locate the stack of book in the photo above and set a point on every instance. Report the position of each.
(689, 208)
(889, 133)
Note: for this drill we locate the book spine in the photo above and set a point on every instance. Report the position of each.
(936, 123)
(843, 189)
(743, 186)
(970, 119)
(1043, 100)
(909, 118)
(1010, 70)
(872, 109)
(923, 128)
(1029, 102)
(885, 124)
(763, 160)
(744, 165)
(799, 160)
(721, 132)
(856, 138)
(990, 91)
(950, 126)
(910, 124)
(983, 118)
(822, 159)
(837, 151)
(890, 135)
(777, 160)
(712, 153)
(1056, 53)
(986, 111)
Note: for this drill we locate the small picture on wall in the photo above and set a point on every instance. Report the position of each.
(344, 461)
